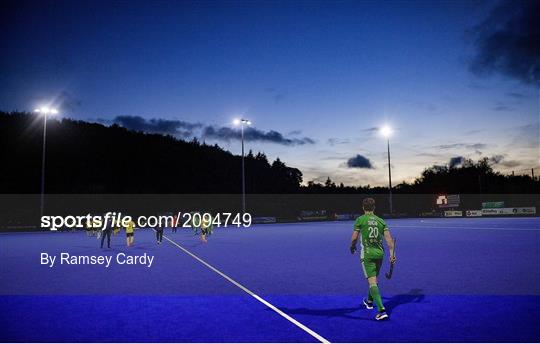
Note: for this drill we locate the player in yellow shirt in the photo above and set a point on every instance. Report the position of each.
(206, 226)
(116, 230)
(130, 231)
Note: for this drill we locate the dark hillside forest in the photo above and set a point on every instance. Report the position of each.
(93, 158)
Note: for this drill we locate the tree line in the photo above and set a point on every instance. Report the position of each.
(92, 158)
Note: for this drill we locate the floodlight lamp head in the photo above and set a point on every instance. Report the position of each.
(386, 131)
(44, 110)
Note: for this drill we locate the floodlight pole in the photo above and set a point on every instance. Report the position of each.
(42, 201)
(44, 111)
(389, 177)
(243, 170)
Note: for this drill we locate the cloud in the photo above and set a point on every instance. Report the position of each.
(507, 42)
(456, 161)
(252, 134)
(187, 129)
(277, 96)
(496, 159)
(511, 163)
(502, 107)
(473, 132)
(429, 155)
(527, 136)
(475, 146)
(516, 95)
(500, 159)
(359, 161)
(335, 141)
(157, 125)
(371, 130)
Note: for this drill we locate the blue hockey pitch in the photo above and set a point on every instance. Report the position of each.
(456, 280)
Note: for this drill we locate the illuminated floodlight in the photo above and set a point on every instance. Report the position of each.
(46, 111)
(238, 121)
(386, 131)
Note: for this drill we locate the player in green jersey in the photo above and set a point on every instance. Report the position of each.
(370, 229)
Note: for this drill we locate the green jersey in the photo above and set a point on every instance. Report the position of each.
(371, 228)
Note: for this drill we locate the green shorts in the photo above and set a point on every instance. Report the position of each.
(371, 267)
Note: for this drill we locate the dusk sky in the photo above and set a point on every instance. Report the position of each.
(454, 79)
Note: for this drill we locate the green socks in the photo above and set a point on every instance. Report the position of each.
(376, 296)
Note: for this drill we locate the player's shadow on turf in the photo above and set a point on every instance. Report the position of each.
(413, 296)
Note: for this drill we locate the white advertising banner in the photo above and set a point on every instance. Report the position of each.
(510, 211)
(473, 213)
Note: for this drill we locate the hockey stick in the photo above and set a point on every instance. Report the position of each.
(389, 273)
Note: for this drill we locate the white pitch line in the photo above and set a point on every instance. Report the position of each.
(257, 297)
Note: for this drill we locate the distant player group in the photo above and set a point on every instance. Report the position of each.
(109, 231)
(204, 226)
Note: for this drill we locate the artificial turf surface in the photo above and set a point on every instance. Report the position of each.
(464, 280)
